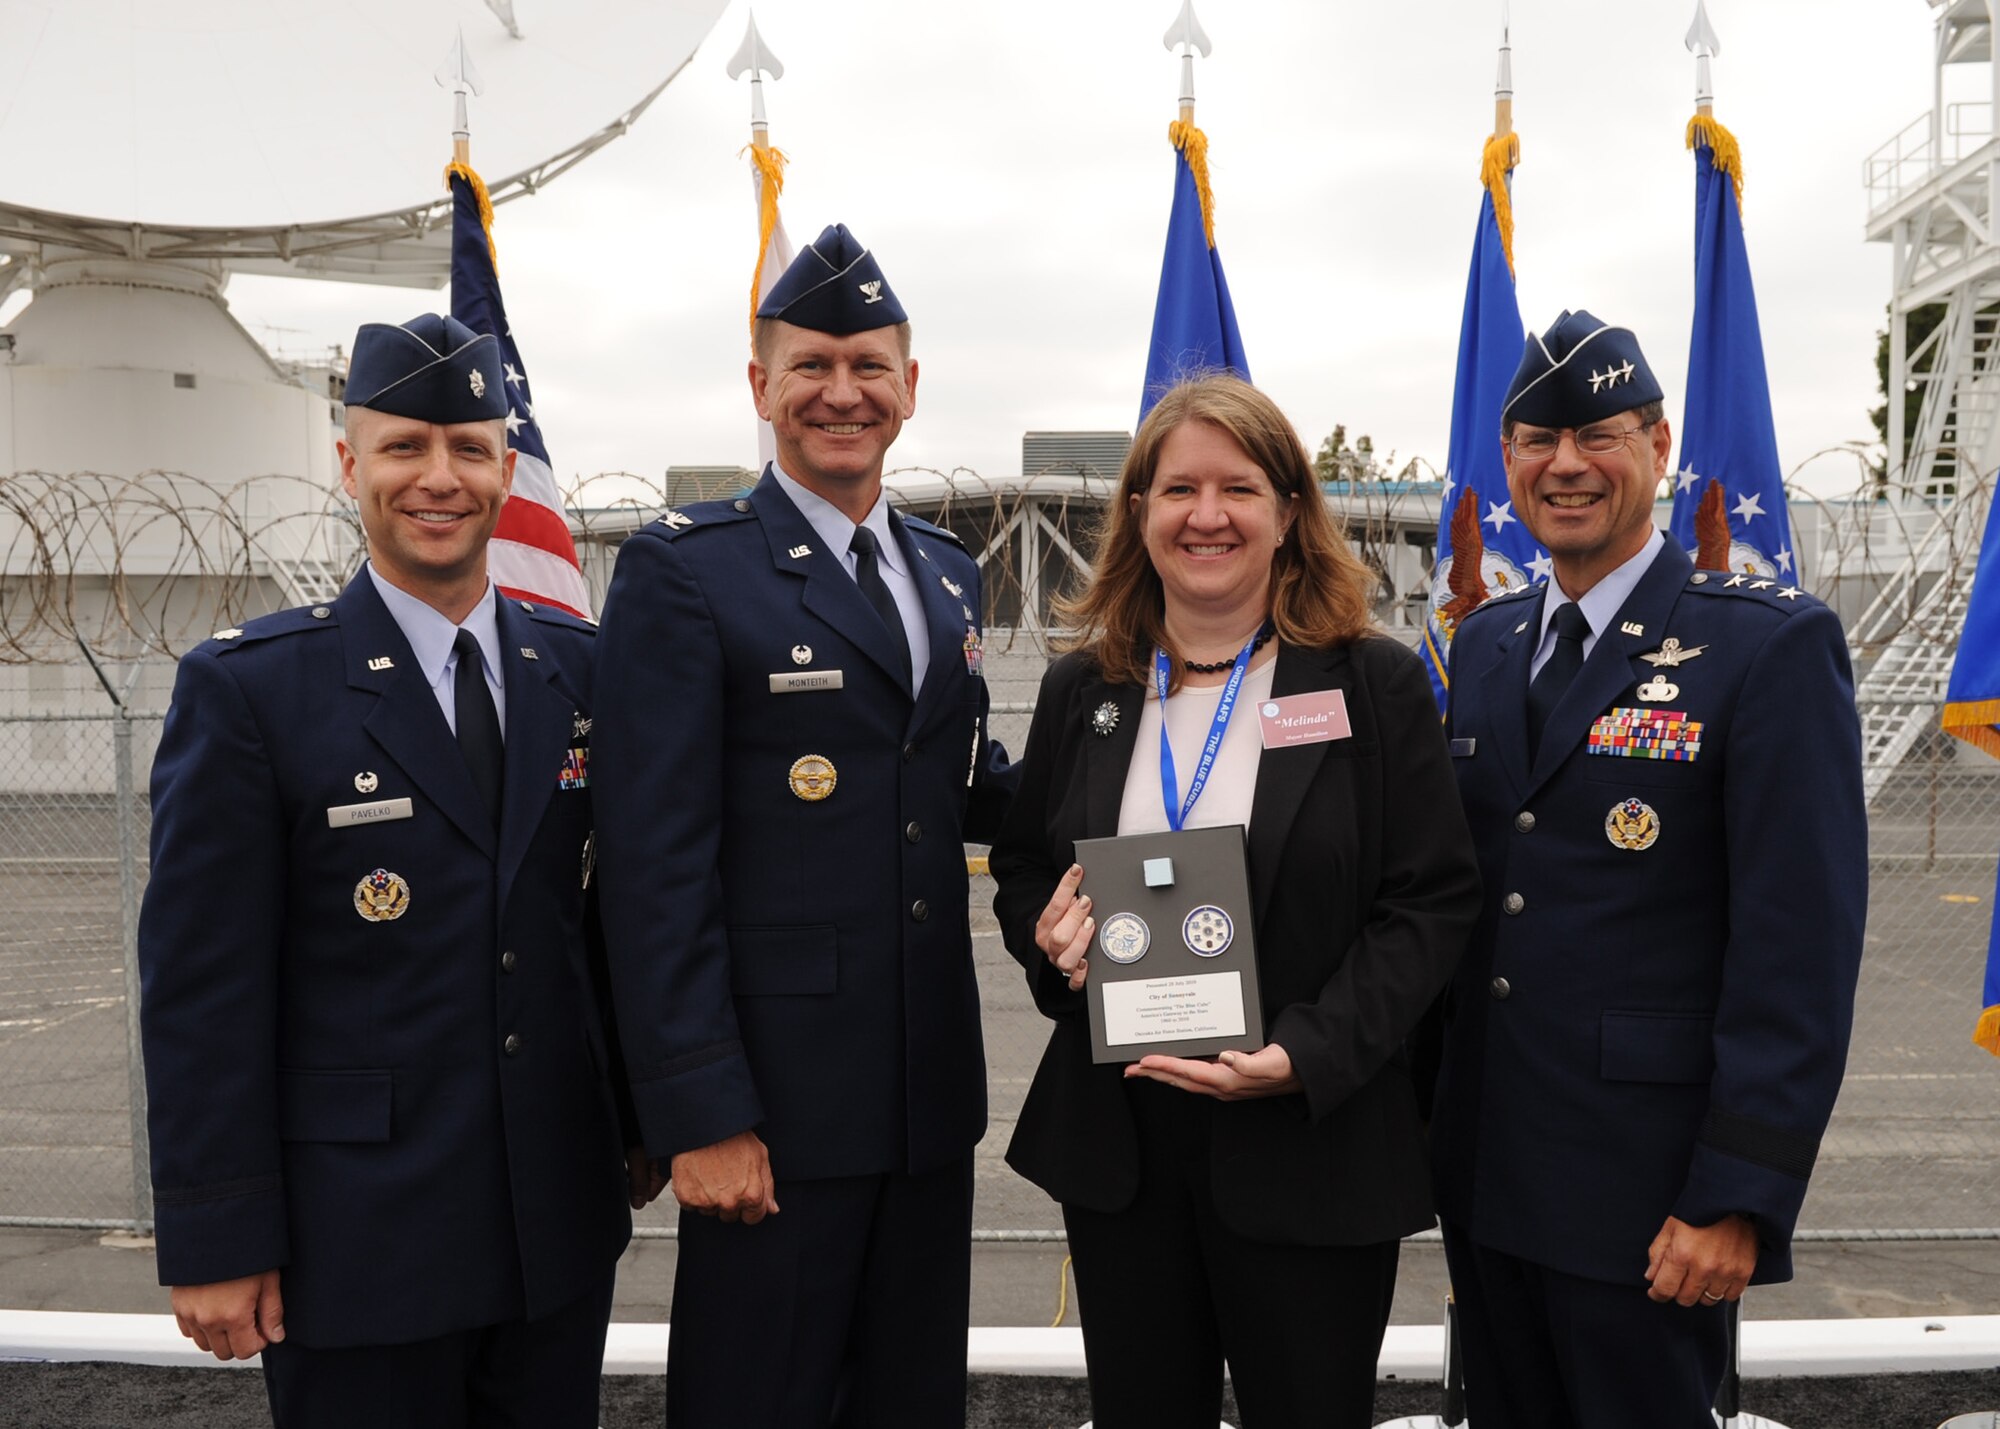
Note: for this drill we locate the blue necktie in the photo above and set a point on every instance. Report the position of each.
(868, 575)
(478, 724)
(1564, 661)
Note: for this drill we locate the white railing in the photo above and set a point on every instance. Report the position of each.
(1910, 158)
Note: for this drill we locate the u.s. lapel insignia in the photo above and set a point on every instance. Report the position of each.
(382, 896)
(1632, 627)
(800, 551)
(528, 653)
(1671, 653)
(813, 777)
(1659, 690)
(1632, 825)
(381, 662)
(1104, 719)
(366, 783)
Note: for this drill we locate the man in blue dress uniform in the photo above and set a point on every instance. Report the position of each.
(386, 1147)
(791, 748)
(1662, 770)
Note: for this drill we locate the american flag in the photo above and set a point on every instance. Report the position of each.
(532, 556)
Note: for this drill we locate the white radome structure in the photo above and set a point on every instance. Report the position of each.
(149, 152)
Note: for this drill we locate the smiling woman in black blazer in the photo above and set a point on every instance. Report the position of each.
(1244, 1210)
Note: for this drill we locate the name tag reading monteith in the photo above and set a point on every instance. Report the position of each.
(1304, 719)
(796, 682)
(347, 815)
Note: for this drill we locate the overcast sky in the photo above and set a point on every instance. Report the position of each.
(1010, 167)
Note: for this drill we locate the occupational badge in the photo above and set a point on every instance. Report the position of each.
(1659, 690)
(1671, 653)
(957, 590)
(1124, 937)
(1632, 825)
(813, 777)
(975, 652)
(575, 770)
(365, 782)
(382, 897)
(1208, 931)
(1104, 719)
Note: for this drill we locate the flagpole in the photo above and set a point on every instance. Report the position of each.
(1503, 84)
(1187, 33)
(459, 75)
(1702, 40)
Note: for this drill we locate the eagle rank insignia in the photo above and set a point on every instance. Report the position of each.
(382, 897)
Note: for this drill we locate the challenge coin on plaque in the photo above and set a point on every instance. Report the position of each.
(1208, 931)
(382, 896)
(813, 777)
(1125, 937)
(1632, 825)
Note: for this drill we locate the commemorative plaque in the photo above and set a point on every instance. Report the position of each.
(1173, 964)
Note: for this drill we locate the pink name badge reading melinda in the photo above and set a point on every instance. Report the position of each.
(1304, 719)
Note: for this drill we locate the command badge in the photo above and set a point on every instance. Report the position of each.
(1105, 719)
(1632, 825)
(1208, 931)
(1125, 937)
(382, 897)
(813, 777)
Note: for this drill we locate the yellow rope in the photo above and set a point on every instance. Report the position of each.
(1194, 145)
(1062, 1294)
(1707, 131)
(1502, 153)
(465, 172)
(771, 164)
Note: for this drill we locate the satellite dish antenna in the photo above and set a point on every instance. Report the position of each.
(148, 152)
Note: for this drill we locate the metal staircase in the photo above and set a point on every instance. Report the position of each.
(1932, 197)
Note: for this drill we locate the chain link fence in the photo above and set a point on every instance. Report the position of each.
(99, 592)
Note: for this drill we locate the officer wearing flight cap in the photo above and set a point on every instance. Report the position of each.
(1662, 770)
(792, 748)
(386, 1147)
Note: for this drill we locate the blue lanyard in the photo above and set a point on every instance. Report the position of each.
(1170, 788)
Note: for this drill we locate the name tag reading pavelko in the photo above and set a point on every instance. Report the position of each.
(798, 682)
(345, 816)
(1304, 719)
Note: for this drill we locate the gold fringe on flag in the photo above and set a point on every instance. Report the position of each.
(1707, 131)
(478, 184)
(1987, 1033)
(1502, 153)
(1975, 721)
(1194, 144)
(771, 164)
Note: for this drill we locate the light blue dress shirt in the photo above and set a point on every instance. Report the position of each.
(1600, 604)
(431, 636)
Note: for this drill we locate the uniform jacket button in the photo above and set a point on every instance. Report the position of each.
(1513, 903)
(909, 752)
(1500, 989)
(507, 961)
(914, 832)
(920, 910)
(1525, 822)
(512, 1044)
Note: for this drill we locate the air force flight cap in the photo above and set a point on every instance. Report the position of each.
(1578, 372)
(433, 368)
(834, 286)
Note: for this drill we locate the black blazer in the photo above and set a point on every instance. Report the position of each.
(1365, 887)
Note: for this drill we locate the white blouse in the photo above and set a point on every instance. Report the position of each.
(1232, 784)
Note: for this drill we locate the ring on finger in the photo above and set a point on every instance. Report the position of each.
(1711, 1297)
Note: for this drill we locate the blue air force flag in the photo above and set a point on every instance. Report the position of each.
(1194, 323)
(531, 556)
(1729, 491)
(1972, 712)
(1483, 548)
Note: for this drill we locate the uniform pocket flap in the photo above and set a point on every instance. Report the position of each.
(776, 961)
(1674, 1047)
(334, 1106)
